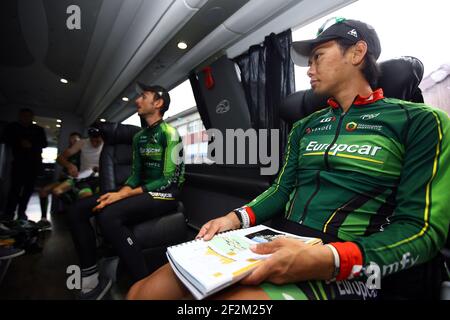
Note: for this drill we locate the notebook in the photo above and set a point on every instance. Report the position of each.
(206, 267)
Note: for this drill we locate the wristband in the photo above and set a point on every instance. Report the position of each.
(243, 217)
(337, 262)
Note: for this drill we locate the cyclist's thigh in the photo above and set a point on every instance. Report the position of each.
(63, 187)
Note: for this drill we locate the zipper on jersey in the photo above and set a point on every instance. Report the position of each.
(336, 136)
(305, 211)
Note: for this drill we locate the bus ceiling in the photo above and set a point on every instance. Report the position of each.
(80, 57)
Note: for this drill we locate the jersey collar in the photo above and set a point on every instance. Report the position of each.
(359, 101)
(155, 124)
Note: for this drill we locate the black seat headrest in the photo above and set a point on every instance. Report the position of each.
(116, 133)
(400, 78)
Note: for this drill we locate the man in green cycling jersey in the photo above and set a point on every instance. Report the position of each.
(369, 171)
(151, 190)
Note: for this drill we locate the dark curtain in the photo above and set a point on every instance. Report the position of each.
(267, 74)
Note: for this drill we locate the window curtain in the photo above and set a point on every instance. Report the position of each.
(267, 75)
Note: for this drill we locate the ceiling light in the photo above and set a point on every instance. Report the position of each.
(34, 122)
(58, 120)
(182, 45)
(63, 80)
(125, 99)
(102, 120)
(58, 126)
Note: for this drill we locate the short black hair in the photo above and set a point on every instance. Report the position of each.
(159, 93)
(371, 70)
(94, 130)
(75, 133)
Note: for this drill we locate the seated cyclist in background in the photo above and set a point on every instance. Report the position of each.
(54, 187)
(150, 191)
(380, 189)
(85, 180)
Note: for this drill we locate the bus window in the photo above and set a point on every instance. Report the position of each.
(420, 25)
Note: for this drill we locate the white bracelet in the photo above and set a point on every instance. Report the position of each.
(245, 219)
(337, 261)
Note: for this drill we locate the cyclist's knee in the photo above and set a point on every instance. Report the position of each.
(57, 192)
(135, 291)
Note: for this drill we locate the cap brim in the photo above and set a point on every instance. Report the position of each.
(139, 88)
(301, 50)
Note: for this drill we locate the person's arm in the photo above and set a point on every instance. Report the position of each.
(62, 159)
(270, 202)
(134, 180)
(42, 139)
(274, 199)
(419, 225)
(111, 197)
(170, 165)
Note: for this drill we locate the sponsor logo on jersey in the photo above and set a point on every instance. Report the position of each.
(342, 147)
(149, 164)
(152, 139)
(370, 116)
(161, 195)
(407, 261)
(324, 128)
(149, 151)
(328, 119)
(352, 126)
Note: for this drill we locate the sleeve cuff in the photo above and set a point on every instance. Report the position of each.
(350, 259)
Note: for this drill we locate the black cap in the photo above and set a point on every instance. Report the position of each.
(351, 30)
(160, 91)
(94, 130)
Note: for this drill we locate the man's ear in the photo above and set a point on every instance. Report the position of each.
(359, 52)
(159, 103)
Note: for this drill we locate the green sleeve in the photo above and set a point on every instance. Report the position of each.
(169, 164)
(420, 222)
(134, 180)
(273, 200)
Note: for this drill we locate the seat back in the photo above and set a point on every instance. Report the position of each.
(116, 156)
(400, 78)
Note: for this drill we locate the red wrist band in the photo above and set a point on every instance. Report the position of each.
(350, 255)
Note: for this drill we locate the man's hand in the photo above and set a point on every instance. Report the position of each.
(292, 260)
(228, 222)
(72, 170)
(107, 199)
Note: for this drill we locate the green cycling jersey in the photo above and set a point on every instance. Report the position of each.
(377, 175)
(157, 159)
